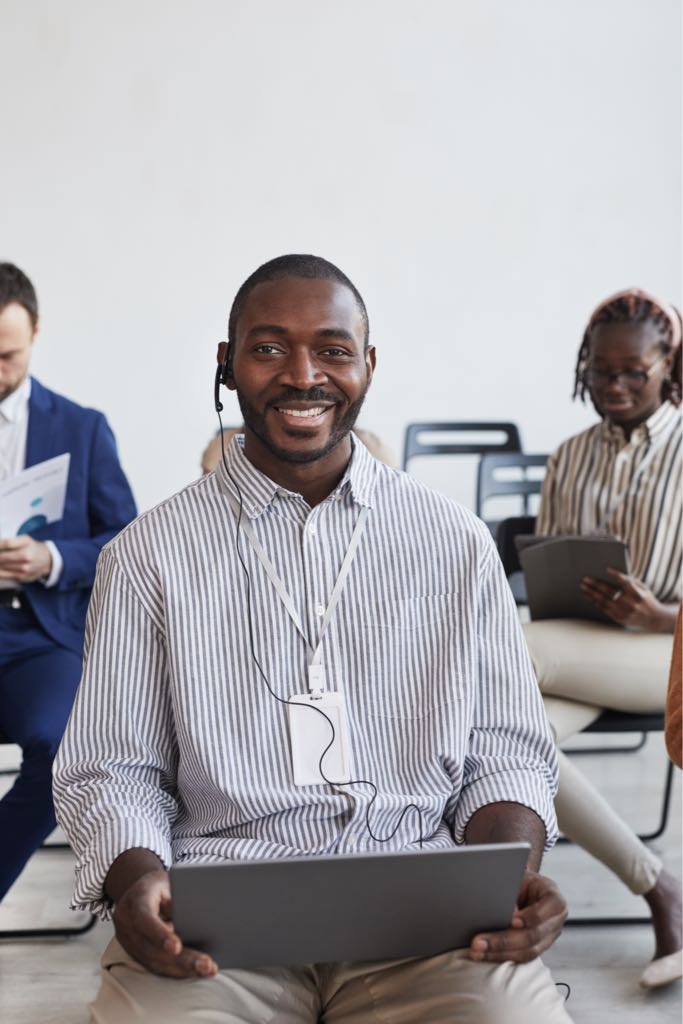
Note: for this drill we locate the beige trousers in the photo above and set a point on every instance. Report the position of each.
(583, 667)
(446, 988)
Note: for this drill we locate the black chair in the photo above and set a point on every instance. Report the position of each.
(503, 437)
(42, 933)
(468, 438)
(506, 532)
(609, 722)
(508, 475)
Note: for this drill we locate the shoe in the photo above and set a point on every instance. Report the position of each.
(663, 971)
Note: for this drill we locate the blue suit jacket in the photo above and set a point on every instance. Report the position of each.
(99, 502)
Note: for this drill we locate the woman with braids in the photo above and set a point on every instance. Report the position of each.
(620, 477)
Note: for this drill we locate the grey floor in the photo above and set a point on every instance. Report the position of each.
(51, 982)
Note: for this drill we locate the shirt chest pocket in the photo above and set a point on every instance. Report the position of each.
(412, 661)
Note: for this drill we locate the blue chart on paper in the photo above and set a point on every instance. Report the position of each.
(35, 521)
(32, 524)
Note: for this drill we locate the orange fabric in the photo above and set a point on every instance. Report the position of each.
(674, 709)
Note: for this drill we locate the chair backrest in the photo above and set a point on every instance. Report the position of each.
(467, 437)
(504, 474)
(508, 529)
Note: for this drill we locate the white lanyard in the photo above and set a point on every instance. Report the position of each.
(316, 680)
(621, 497)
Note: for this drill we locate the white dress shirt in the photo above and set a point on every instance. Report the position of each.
(13, 434)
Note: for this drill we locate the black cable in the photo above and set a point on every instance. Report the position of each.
(282, 700)
(564, 984)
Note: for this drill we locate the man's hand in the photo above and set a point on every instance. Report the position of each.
(142, 919)
(536, 923)
(629, 602)
(24, 559)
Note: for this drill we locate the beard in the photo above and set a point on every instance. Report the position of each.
(9, 389)
(342, 424)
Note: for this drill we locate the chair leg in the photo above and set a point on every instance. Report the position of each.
(46, 933)
(591, 922)
(602, 922)
(610, 750)
(666, 805)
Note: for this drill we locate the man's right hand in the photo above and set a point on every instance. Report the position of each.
(142, 919)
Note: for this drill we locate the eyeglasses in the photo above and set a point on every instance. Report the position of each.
(633, 379)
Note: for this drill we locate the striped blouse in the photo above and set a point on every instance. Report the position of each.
(176, 745)
(594, 483)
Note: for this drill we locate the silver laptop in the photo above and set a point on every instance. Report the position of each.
(363, 907)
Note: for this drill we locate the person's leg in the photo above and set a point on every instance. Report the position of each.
(36, 694)
(130, 994)
(445, 989)
(606, 666)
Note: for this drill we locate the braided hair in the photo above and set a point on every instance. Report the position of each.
(635, 307)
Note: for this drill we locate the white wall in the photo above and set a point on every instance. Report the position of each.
(484, 171)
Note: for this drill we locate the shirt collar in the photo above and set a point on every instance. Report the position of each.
(257, 491)
(656, 424)
(13, 408)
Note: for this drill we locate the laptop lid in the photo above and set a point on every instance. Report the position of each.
(331, 908)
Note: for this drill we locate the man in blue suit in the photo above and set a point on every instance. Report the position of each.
(45, 577)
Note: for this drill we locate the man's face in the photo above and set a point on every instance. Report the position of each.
(16, 340)
(300, 366)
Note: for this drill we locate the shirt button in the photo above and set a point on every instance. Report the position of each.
(353, 840)
(312, 530)
(320, 609)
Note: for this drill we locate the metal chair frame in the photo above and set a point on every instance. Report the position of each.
(620, 722)
(490, 484)
(45, 933)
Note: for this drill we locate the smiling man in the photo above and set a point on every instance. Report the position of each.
(303, 566)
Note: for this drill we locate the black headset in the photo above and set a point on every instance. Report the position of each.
(223, 376)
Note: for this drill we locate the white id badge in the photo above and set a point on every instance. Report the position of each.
(310, 734)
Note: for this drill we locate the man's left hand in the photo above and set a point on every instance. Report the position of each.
(24, 559)
(536, 923)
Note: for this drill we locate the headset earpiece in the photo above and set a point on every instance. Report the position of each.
(225, 365)
(223, 373)
(217, 381)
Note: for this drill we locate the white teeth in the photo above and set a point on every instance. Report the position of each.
(303, 412)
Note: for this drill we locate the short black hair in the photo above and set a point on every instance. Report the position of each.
(294, 265)
(634, 309)
(16, 287)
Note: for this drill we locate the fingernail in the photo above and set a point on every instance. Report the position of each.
(480, 945)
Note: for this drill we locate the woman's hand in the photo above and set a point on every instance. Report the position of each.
(629, 602)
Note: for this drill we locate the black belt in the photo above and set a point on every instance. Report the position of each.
(12, 599)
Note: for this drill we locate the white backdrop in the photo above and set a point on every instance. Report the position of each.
(484, 171)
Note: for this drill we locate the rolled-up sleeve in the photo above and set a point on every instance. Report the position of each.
(114, 774)
(511, 755)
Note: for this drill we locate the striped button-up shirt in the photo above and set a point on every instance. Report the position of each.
(594, 483)
(175, 743)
